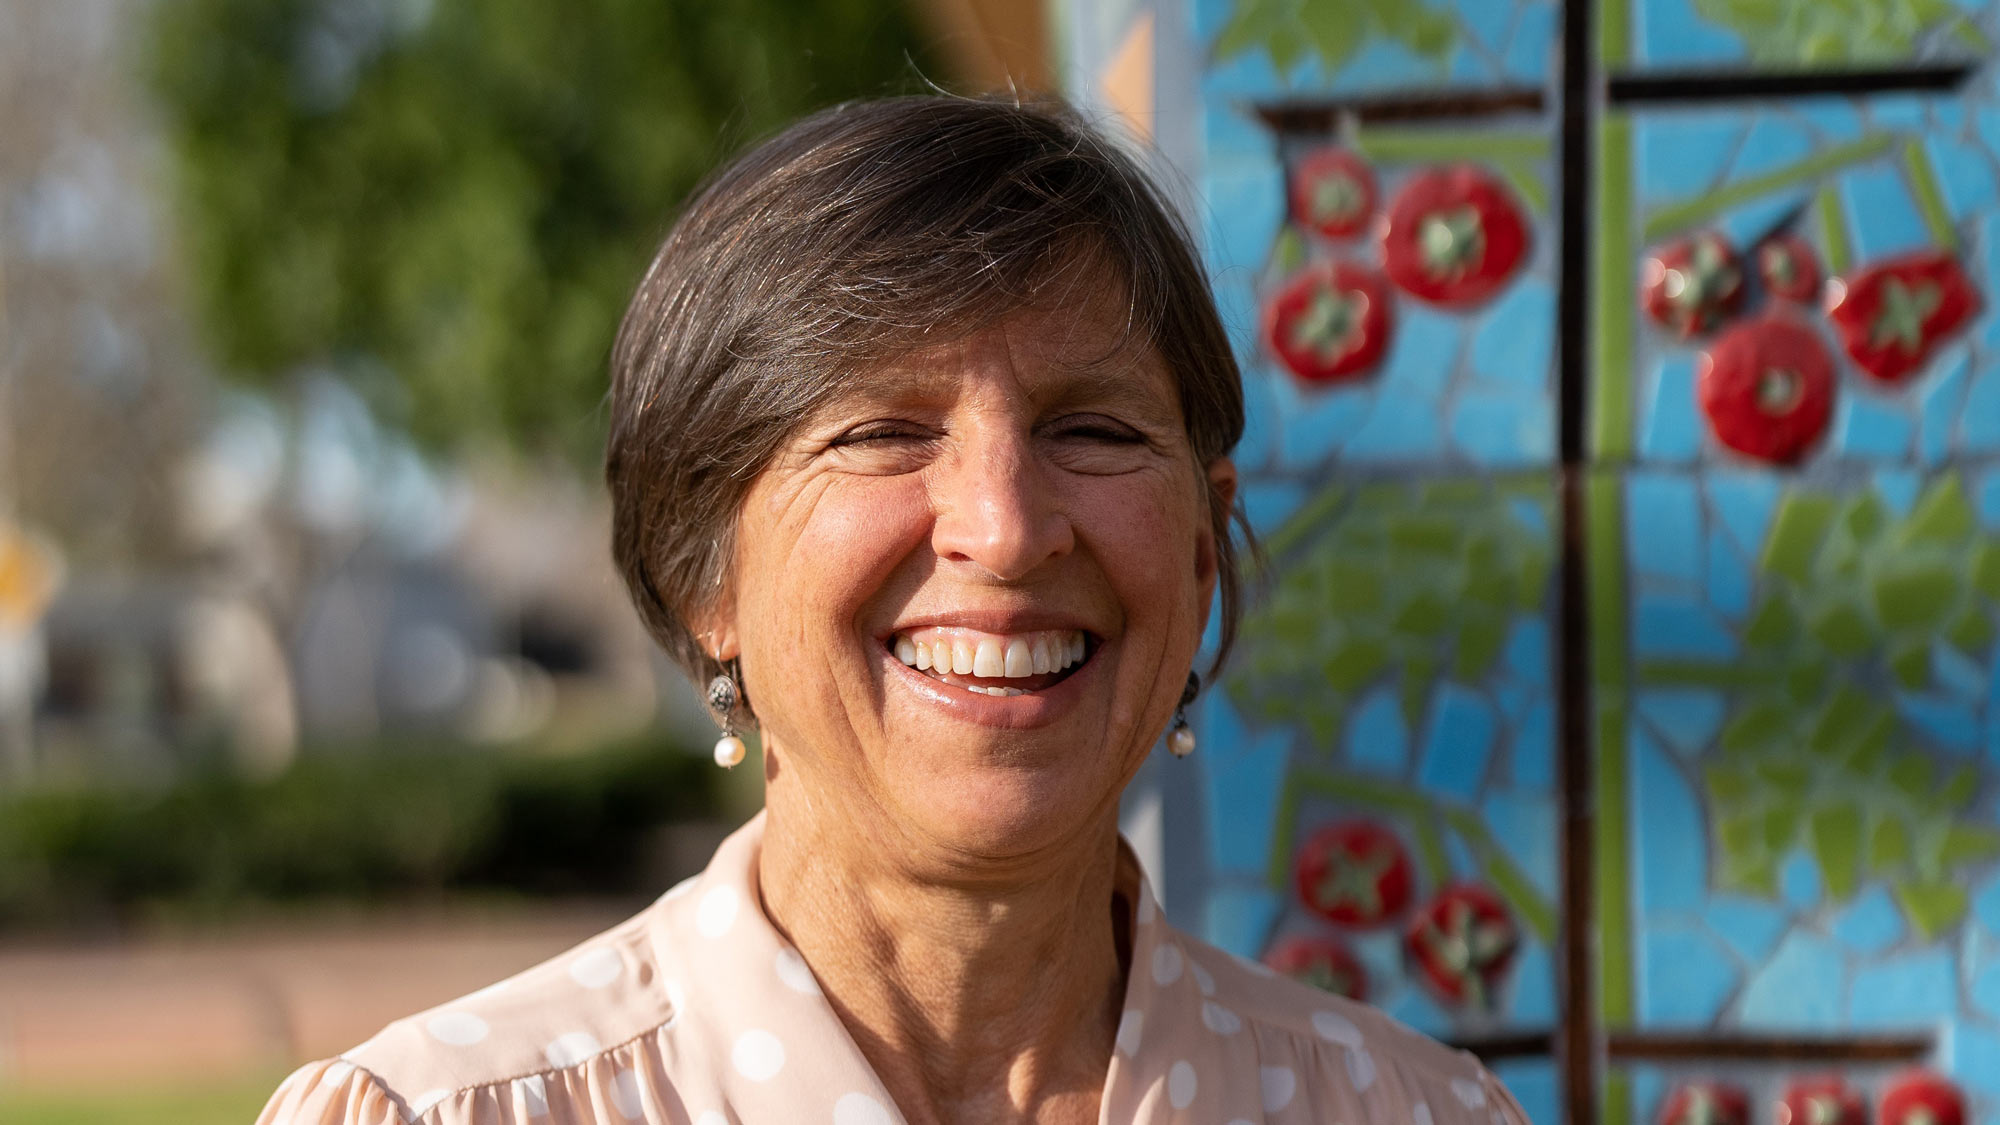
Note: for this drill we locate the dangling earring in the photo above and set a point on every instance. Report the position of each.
(725, 693)
(1180, 740)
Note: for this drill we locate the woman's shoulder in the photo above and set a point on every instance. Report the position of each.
(1357, 1046)
(583, 1019)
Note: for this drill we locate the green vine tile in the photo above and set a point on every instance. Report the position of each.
(1966, 844)
(1889, 847)
(1843, 630)
(1835, 836)
(1943, 517)
(1774, 624)
(1916, 595)
(1986, 570)
(1910, 660)
(1972, 634)
(1932, 908)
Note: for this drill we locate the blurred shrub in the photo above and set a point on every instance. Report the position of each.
(382, 822)
(449, 201)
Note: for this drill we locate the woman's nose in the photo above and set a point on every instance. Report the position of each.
(997, 506)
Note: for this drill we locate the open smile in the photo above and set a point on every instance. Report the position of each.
(993, 664)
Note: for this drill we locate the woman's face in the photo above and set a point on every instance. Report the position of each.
(967, 594)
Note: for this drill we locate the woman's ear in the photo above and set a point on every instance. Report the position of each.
(715, 630)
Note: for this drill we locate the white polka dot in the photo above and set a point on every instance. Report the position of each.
(597, 968)
(712, 1117)
(1129, 1027)
(458, 1029)
(1219, 1019)
(1470, 1094)
(425, 1102)
(1201, 978)
(625, 1095)
(336, 1073)
(758, 1055)
(717, 911)
(533, 1094)
(680, 888)
(1166, 963)
(1422, 1114)
(793, 971)
(1337, 1028)
(1361, 1070)
(1257, 967)
(1239, 1121)
(1180, 1084)
(1279, 1085)
(571, 1049)
(859, 1109)
(676, 1003)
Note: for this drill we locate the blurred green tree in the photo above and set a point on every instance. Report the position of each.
(447, 202)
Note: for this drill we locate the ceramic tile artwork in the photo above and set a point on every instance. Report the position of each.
(1789, 526)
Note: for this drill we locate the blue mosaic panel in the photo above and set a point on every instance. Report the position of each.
(1790, 34)
(1399, 675)
(1265, 48)
(1859, 182)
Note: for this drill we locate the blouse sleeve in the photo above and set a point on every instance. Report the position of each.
(331, 1092)
(1506, 1111)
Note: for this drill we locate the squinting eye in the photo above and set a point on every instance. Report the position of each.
(881, 435)
(1098, 429)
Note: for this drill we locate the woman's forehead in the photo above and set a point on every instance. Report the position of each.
(1049, 355)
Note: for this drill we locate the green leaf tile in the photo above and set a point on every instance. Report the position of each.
(1781, 825)
(1986, 570)
(1932, 908)
(1840, 721)
(1913, 774)
(1758, 729)
(1842, 630)
(1835, 836)
(1889, 846)
(1355, 664)
(1866, 756)
(1864, 518)
(1943, 517)
(1729, 785)
(1972, 633)
(1480, 637)
(1969, 844)
(1916, 594)
(1350, 589)
(1428, 614)
(1419, 672)
(1958, 789)
(1796, 535)
(1911, 662)
(1774, 625)
(1437, 536)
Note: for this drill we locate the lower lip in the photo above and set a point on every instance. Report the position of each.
(1011, 712)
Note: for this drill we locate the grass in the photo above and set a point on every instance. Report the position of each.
(234, 1102)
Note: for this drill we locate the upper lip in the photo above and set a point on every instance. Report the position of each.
(997, 622)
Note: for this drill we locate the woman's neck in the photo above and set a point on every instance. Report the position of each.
(975, 996)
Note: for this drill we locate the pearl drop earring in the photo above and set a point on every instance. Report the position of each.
(1180, 740)
(725, 694)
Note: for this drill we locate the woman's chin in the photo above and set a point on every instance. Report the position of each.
(1006, 814)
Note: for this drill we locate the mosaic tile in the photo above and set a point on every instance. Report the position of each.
(1673, 429)
(1883, 219)
(1687, 718)
(1744, 504)
(1748, 926)
(1871, 923)
(1684, 154)
(1904, 991)
(1457, 743)
(1975, 1058)
(1729, 580)
(1791, 990)
(1318, 425)
(1772, 143)
(1663, 528)
(1898, 488)
(1799, 881)
(1666, 626)
(1503, 431)
(1979, 421)
(1378, 738)
(1685, 978)
(1515, 341)
(1965, 172)
(1948, 723)
(1986, 991)
(1988, 493)
(1267, 503)
(1238, 918)
(1942, 407)
(1531, 54)
(1535, 1084)
(1524, 826)
(1533, 757)
(1672, 867)
(1671, 35)
(1866, 429)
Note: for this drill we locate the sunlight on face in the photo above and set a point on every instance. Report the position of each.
(968, 592)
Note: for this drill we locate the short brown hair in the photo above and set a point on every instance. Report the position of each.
(843, 240)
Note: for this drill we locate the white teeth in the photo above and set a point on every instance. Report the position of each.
(989, 657)
(989, 661)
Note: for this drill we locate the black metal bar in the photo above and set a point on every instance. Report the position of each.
(1740, 85)
(1727, 1046)
(1576, 1043)
(1323, 115)
(1521, 1045)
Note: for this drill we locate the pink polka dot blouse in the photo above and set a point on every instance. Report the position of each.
(696, 1012)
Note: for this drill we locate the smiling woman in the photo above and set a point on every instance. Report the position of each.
(921, 423)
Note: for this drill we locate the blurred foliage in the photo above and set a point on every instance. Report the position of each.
(364, 824)
(1855, 602)
(449, 201)
(184, 1103)
(1824, 32)
(1334, 30)
(1418, 583)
